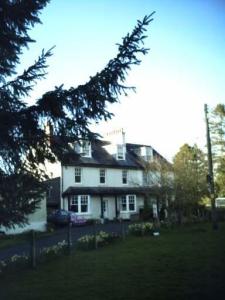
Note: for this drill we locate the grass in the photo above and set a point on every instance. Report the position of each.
(11, 240)
(17, 239)
(184, 263)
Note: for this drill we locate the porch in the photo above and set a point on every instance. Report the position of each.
(105, 202)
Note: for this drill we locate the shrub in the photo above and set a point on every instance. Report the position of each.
(140, 229)
(86, 242)
(3, 265)
(53, 251)
(89, 242)
(13, 263)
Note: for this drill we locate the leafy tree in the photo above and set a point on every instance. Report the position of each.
(217, 128)
(158, 174)
(190, 171)
(24, 144)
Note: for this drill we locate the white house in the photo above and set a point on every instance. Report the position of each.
(102, 179)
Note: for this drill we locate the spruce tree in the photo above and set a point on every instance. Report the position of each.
(25, 145)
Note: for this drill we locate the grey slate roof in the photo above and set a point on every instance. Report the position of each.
(131, 147)
(101, 158)
(107, 191)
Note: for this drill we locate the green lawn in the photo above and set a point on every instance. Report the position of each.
(184, 263)
(12, 240)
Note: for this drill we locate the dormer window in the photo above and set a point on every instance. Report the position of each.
(86, 149)
(120, 152)
(83, 148)
(147, 153)
(137, 151)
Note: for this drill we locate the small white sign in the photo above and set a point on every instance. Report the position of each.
(155, 211)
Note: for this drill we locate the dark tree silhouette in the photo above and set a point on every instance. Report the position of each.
(24, 143)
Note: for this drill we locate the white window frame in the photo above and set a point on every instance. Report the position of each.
(120, 152)
(123, 201)
(145, 178)
(74, 201)
(76, 174)
(102, 176)
(79, 199)
(132, 197)
(83, 148)
(77, 147)
(127, 198)
(125, 177)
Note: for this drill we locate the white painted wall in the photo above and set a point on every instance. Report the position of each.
(53, 169)
(90, 177)
(95, 207)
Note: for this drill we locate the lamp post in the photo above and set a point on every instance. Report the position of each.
(210, 177)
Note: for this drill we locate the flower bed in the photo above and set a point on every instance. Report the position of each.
(89, 242)
(23, 261)
(53, 251)
(140, 229)
(14, 262)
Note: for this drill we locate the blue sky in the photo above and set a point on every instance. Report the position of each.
(184, 69)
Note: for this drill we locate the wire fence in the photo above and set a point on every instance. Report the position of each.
(63, 242)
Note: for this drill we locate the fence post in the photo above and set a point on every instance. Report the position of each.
(69, 238)
(95, 235)
(33, 250)
(122, 228)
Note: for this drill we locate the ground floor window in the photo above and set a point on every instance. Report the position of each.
(132, 202)
(128, 203)
(80, 204)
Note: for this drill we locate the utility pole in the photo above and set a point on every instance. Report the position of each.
(210, 177)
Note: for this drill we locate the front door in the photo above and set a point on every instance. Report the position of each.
(105, 208)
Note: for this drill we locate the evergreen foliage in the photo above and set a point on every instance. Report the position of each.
(25, 145)
(15, 19)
